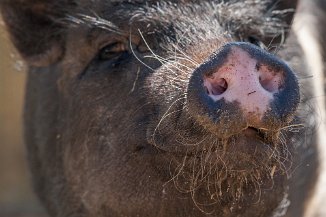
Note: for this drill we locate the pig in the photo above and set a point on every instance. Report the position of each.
(178, 108)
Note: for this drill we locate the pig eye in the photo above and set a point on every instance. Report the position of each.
(111, 56)
(112, 51)
(256, 41)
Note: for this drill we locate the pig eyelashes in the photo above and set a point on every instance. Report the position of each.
(111, 51)
(113, 55)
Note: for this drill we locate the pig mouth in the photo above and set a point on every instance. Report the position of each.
(233, 169)
(247, 146)
(249, 133)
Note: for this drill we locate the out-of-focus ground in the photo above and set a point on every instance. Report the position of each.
(16, 196)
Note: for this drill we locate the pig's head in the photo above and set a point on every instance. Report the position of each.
(147, 108)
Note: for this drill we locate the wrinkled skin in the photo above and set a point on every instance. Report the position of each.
(113, 127)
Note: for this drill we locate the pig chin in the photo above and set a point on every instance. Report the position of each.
(249, 151)
(234, 169)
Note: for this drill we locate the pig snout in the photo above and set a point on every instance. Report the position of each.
(242, 86)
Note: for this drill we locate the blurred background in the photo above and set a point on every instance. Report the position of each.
(16, 196)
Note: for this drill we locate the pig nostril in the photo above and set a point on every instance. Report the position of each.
(269, 84)
(215, 86)
(219, 86)
(270, 80)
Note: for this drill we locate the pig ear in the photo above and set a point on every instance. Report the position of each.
(35, 28)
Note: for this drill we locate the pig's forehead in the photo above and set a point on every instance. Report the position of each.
(155, 1)
(112, 5)
(206, 15)
(173, 1)
(118, 10)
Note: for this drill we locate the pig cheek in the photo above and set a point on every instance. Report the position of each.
(96, 146)
(166, 89)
